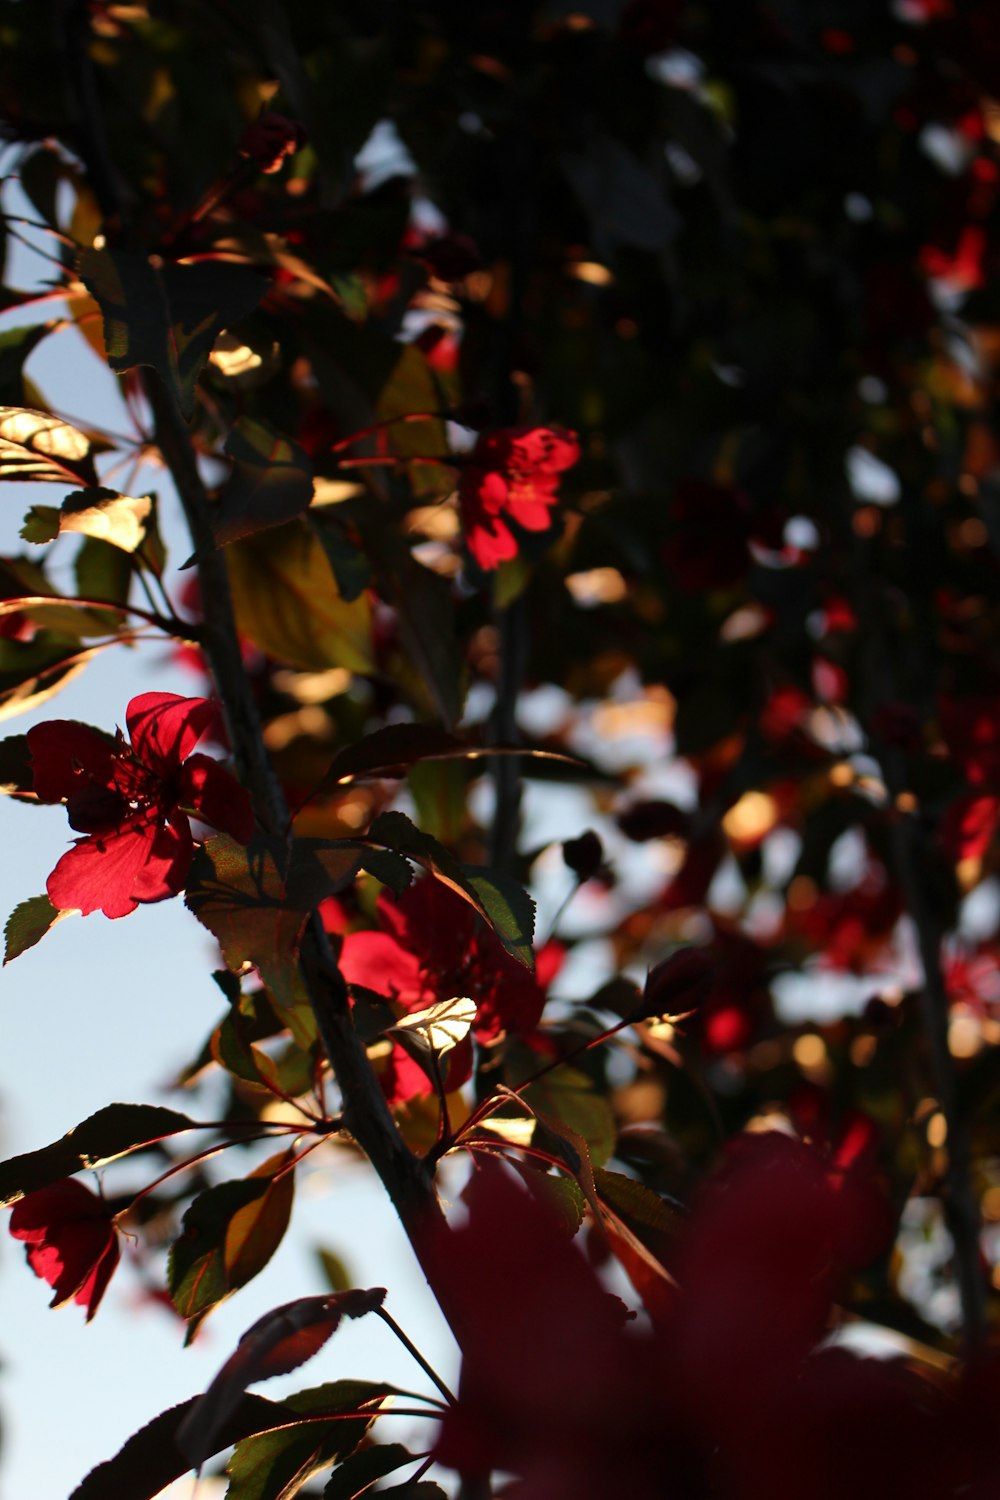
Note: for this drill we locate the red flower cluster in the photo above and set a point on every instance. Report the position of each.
(129, 801)
(71, 1241)
(512, 475)
(431, 947)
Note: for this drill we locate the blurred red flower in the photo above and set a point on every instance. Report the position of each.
(70, 1241)
(129, 801)
(512, 475)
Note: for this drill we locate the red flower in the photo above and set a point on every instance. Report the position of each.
(512, 475)
(71, 1241)
(432, 947)
(128, 801)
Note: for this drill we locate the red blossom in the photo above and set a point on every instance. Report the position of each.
(132, 801)
(70, 1241)
(512, 475)
(430, 946)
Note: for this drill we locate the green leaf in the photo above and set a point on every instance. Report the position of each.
(165, 315)
(352, 1477)
(643, 1210)
(151, 1459)
(335, 1270)
(286, 602)
(27, 925)
(41, 524)
(275, 1465)
(567, 1096)
(103, 1137)
(503, 903)
(270, 484)
(256, 901)
(37, 446)
(103, 571)
(228, 1235)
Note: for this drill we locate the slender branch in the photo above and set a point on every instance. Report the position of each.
(406, 1178)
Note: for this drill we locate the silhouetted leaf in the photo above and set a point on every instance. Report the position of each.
(347, 560)
(352, 1477)
(167, 316)
(271, 482)
(503, 903)
(16, 776)
(27, 925)
(276, 1344)
(151, 1459)
(15, 346)
(103, 1137)
(286, 602)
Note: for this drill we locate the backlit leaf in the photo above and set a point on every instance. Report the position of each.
(37, 446)
(167, 315)
(286, 602)
(31, 672)
(275, 1465)
(108, 516)
(103, 1137)
(151, 1459)
(438, 1027)
(27, 925)
(228, 1235)
(567, 1096)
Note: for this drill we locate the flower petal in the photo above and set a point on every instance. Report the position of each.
(217, 797)
(114, 872)
(533, 514)
(66, 756)
(376, 961)
(164, 728)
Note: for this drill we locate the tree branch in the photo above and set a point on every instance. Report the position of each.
(406, 1178)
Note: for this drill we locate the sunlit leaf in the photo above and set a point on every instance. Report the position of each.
(108, 516)
(167, 315)
(228, 1235)
(27, 925)
(103, 1137)
(37, 446)
(438, 1027)
(286, 602)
